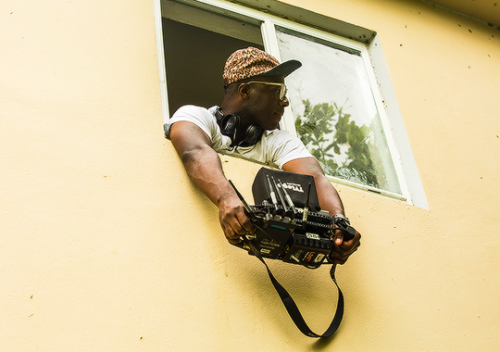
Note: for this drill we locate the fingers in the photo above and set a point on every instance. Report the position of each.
(342, 250)
(231, 236)
(233, 232)
(338, 237)
(234, 222)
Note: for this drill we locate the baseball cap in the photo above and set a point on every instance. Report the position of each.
(249, 62)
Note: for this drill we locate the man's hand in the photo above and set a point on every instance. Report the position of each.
(329, 200)
(233, 219)
(343, 249)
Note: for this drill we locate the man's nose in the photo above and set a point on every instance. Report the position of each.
(284, 102)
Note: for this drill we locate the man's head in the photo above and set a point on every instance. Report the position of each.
(255, 90)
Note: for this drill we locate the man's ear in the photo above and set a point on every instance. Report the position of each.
(244, 90)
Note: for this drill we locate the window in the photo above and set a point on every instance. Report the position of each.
(335, 111)
(338, 106)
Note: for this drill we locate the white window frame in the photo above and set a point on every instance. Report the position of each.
(404, 163)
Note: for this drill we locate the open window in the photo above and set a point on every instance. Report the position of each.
(197, 43)
(338, 106)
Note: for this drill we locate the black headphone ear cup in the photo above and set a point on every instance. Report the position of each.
(229, 124)
(252, 135)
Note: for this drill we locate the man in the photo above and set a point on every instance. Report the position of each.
(246, 125)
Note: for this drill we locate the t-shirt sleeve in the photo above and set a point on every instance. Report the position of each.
(199, 116)
(286, 147)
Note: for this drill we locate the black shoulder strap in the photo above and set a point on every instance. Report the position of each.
(292, 308)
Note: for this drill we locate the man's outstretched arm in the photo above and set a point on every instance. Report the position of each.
(203, 166)
(329, 200)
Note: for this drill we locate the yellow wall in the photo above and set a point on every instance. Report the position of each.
(106, 246)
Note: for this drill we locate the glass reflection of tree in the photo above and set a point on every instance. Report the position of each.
(346, 155)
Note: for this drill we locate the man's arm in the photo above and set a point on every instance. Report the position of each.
(203, 166)
(329, 200)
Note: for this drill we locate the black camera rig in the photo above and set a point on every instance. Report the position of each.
(289, 224)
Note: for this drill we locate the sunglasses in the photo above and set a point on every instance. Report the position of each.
(283, 89)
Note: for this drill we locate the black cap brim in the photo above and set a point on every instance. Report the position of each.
(283, 69)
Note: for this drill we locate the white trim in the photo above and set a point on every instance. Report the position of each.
(391, 143)
(238, 9)
(363, 187)
(269, 36)
(407, 160)
(162, 69)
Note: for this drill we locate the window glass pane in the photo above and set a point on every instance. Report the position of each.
(335, 113)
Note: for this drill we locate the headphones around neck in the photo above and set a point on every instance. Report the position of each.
(229, 125)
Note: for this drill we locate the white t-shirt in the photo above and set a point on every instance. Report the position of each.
(274, 149)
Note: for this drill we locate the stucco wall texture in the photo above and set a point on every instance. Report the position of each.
(105, 245)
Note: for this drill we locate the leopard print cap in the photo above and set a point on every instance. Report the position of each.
(249, 62)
